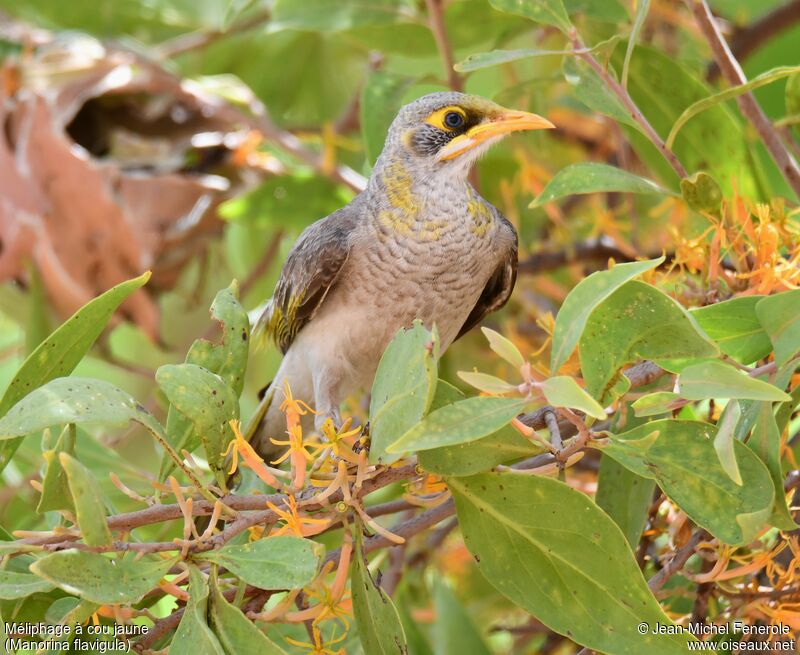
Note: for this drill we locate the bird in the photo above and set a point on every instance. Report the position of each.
(418, 242)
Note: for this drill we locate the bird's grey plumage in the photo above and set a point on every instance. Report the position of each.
(419, 242)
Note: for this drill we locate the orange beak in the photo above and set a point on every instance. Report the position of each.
(498, 126)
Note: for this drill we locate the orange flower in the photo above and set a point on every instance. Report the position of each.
(298, 450)
(319, 647)
(300, 526)
(250, 458)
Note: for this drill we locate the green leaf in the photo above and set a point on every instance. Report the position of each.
(610, 11)
(504, 347)
(193, 636)
(793, 99)
(381, 98)
(74, 400)
(227, 359)
(404, 386)
(659, 402)
(702, 193)
(281, 562)
(454, 633)
(583, 299)
(735, 328)
(588, 177)
(235, 632)
(713, 142)
(680, 455)
(88, 501)
(549, 12)
(55, 488)
(486, 382)
(60, 353)
(766, 77)
(593, 91)
(335, 15)
(715, 379)
(636, 322)
(20, 585)
(563, 391)
(379, 627)
(460, 422)
(496, 57)
(643, 6)
(499, 447)
(577, 577)
(207, 401)
(625, 497)
(780, 316)
(723, 441)
(99, 579)
(765, 442)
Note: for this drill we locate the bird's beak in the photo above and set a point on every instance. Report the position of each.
(499, 125)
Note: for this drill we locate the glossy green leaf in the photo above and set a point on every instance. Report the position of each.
(87, 499)
(454, 633)
(55, 489)
(403, 390)
(99, 579)
(496, 57)
(207, 401)
(589, 177)
(766, 77)
(714, 142)
(634, 323)
(765, 441)
(193, 636)
(549, 12)
(504, 347)
(577, 577)
(625, 496)
(680, 455)
(460, 422)
(723, 440)
(381, 98)
(486, 382)
(60, 353)
(236, 633)
(500, 447)
(379, 627)
(20, 585)
(281, 562)
(735, 328)
(227, 359)
(780, 316)
(583, 299)
(74, 400)
(715, 379)
(652, 404)
(563, 391)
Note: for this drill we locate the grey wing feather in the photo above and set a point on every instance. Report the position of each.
(500, 285)
(310, 271)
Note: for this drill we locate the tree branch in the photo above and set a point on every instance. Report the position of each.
(436, 22)
(732, 72)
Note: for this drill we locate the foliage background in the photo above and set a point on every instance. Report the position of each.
(331, 76)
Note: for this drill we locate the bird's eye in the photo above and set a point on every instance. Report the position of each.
(453, 120)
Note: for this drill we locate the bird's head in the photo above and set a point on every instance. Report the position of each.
(448, 131)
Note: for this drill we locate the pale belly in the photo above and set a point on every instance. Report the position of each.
(358, 320)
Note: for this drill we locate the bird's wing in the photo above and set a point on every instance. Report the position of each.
(311, 270)
(499, 286)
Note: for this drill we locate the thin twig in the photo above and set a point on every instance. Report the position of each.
(732, 72)
(439, 30)
(615, 87)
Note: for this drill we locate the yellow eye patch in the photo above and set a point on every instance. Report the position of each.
(437, 118)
